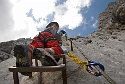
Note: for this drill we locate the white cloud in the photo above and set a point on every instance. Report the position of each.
(79, 34)
(92, 18)
(94, 25)
(68, 13)
(6, 19)
(14, 22)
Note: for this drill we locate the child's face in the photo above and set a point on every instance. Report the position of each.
(54, 26)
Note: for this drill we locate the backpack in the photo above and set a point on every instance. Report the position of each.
(42, 38)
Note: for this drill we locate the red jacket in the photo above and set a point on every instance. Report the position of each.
(47, 40)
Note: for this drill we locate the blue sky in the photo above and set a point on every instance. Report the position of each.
(97, 7)
(26, 18)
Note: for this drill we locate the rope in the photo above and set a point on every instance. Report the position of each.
(87, 65)
(110, 80)
(78, 61)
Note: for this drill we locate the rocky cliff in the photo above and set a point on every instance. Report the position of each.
(6, 48)
(106, 45)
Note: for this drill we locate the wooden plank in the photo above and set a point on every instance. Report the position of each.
(15, 77)
(38, 68)
(59, 56)
(64, 76)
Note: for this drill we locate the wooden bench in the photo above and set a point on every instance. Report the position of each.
(61, 67)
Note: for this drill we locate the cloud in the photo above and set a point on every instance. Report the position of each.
(92, 18)
(23, 18)
(79, 34)
(91, 23)
(6, 19)
(68, 13)
(95, 24)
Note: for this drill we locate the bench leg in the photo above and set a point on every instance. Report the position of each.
(64, 76)
(15, 77)
(41, 78)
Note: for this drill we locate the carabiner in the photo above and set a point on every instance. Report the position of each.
(91, 70)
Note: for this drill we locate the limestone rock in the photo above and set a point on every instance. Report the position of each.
(114, 16)
(106, 45)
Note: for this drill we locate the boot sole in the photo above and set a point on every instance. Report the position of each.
(45, 60)
(21, 53)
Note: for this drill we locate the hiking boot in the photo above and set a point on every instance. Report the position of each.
(45, 58)
(22, 58)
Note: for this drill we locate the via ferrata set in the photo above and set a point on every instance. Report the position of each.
(90, 66)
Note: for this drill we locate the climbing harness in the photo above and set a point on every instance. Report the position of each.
(87, 65)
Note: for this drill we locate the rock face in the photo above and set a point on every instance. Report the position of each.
(6, 48)
(106, 45)
(114, 16)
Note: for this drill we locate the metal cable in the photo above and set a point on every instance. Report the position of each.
(109, 79)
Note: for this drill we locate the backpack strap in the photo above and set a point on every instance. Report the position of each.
(41, 40)
(45, 39)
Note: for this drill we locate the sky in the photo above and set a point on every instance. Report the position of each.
(26, 18)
